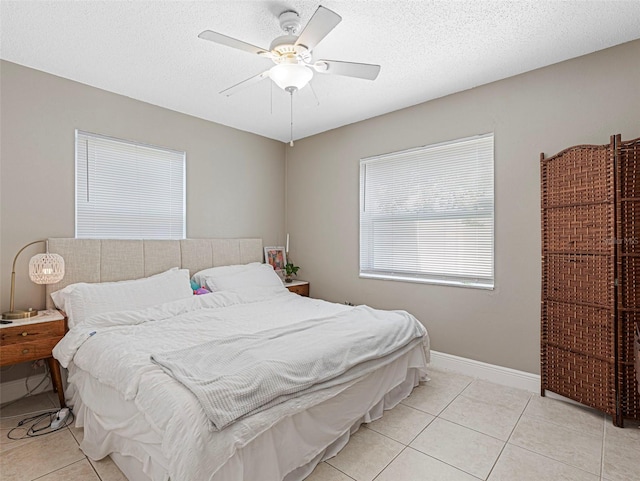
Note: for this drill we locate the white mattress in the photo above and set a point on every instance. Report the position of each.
(130, 406)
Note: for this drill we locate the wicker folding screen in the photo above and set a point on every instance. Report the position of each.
(628, 272)
(586, 333)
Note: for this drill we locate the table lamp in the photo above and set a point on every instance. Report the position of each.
(43, 269)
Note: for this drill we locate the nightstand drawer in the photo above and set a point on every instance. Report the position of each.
(34, 338)
(302, 289)
(28, 351)
(31, 333)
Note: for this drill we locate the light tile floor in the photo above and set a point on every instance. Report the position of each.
(453, 428)
(53, 457)
(456, 428)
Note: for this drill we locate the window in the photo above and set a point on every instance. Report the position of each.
(426, 214)
(127, 190)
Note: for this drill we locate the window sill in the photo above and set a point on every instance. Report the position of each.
(420, 280)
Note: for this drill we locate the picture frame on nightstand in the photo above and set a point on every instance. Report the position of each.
(276, 257)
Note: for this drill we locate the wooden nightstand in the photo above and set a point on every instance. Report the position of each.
(31, 339)
(299, 287)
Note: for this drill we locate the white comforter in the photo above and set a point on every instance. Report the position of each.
(115, 348)
(238, 375)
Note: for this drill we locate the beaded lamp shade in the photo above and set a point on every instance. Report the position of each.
(46, 268)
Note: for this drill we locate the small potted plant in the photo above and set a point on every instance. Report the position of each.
(290, 270)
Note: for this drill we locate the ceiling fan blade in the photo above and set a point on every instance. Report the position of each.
(321, 23)
(245, 83)
(233, 43)
(365, 71)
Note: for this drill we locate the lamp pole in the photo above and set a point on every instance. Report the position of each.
(17, 314)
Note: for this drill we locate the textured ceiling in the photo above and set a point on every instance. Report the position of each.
(150, 50)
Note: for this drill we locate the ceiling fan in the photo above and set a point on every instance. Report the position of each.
(292, 53)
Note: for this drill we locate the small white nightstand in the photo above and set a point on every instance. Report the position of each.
(298, 287)
(33, 338)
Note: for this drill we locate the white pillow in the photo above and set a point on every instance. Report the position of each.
(200, 277)
(83, 300)
(261, 276)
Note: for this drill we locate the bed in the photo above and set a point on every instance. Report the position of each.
(127, 368)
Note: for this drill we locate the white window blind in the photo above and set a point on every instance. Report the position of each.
(127, 190)
(426, 214)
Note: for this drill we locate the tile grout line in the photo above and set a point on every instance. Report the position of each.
(522, 414)
(509, 437)
(454, 398)
(534, 417)
(552, 459)
(326, 461)
(466, 427)
(555, 460)
(446, 406)
(472, 429)
(564, 426)
(444, 462)
(405, 446)
(366, 425)
(424, 454)
(94, 468)
(435, 416)
(85, 456)
(518, 421)
(58, 469)
(544, 455)
(392, 460)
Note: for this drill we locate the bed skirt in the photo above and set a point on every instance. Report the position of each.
(308, 437)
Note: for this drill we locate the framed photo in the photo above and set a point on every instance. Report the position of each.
(276, 257)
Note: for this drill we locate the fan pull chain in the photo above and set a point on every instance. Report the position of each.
(291, 115)
(314, 94)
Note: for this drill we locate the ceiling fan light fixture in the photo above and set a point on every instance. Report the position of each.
(291, 75)
(284, 50)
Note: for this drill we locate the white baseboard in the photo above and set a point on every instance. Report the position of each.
(492, 372)
(12, 390)
(489, 372)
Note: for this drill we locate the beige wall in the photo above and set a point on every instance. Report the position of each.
(581, 101)
(235, 180)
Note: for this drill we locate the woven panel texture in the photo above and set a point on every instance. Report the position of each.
(628, 253)
(580, 328)
(578, 175)
(585, 229)
(584, 279)
(583, 378)
(578, 264)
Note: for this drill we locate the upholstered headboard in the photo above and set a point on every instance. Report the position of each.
(107, 260)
